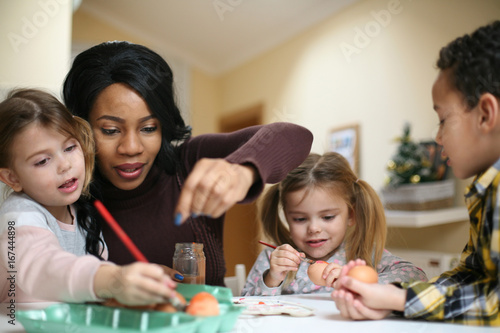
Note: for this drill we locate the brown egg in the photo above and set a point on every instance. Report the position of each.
(203, 304)
(167, 307)
(315, 273)
(364, 274)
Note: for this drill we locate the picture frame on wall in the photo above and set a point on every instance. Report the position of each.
(345, 141)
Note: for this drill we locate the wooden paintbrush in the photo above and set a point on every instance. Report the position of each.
(309, 261)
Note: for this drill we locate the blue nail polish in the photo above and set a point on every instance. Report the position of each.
(178, 219)
(179, 277)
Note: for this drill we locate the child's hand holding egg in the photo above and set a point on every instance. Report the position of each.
(320, 268)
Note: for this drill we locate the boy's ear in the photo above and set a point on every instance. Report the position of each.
(489, 109)
(10, 178)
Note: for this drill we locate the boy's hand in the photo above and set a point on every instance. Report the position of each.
(283, 259)
(353, 308)
(358, 300)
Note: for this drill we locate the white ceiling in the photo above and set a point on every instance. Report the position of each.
(215, 35)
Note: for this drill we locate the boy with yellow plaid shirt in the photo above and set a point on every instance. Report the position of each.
(466, 97)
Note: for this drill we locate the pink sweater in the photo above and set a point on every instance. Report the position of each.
(34, 266)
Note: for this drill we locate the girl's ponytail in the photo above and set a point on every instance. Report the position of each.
(268, 212)
(273, 227)
(367, 239)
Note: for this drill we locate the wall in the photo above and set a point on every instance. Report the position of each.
(311, 81)
(359, 66)
(36, 44)
(89, 30)
(372, 64)
(205, 102)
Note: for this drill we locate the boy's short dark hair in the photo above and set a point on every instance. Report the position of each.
(475, 62)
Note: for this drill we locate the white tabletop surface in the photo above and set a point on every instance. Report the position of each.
(326, 318)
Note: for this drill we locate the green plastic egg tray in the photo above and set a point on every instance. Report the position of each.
(94, 318)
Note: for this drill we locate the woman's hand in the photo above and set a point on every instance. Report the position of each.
(358, 300)
(213, 187)
(174, 274)
(135, 284)
(283, 259)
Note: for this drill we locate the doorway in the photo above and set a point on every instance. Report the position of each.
(241, 229)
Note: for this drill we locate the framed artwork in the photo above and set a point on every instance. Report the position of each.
(345, 141)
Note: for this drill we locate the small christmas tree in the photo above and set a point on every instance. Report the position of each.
(410, 165)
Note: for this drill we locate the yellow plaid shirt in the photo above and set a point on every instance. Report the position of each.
(470, 293)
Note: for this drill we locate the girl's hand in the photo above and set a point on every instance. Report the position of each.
(213, 187)
(135, 284)
(331, 273)
(283, 259)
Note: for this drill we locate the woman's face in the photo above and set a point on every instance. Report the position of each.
(127, 134)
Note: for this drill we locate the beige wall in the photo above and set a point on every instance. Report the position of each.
(386, 82)
(90, 30)
(310, 81)
(205, 102)
(35, 44)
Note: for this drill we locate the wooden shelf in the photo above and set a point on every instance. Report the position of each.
(420, 219)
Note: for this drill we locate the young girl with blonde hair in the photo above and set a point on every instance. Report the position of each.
(331, 216)
(50, 245)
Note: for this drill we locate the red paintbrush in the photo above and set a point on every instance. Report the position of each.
(119, 232)
(130, 245)
(310, 261)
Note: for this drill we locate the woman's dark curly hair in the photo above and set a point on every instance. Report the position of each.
(475, 62)
(140, 68)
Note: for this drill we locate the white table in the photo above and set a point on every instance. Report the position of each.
(325, 319)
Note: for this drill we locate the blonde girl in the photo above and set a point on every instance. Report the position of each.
(322, 211)
(50, 246)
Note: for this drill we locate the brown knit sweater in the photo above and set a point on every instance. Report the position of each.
(146, 213)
